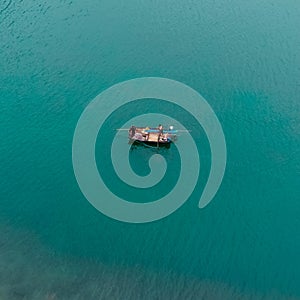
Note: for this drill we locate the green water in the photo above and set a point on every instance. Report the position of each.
(243, 57)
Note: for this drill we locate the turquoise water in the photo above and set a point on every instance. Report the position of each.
(243, 57)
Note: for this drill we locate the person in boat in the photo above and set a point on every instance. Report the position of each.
(160, 129)
(166, 137)
(160, 132)
(132, 131)
(147, 133)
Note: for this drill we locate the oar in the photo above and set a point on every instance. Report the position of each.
(184, 130)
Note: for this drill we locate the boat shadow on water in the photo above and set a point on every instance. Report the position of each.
(149, 145)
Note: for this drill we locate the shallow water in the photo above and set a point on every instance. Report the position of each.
(242, 57)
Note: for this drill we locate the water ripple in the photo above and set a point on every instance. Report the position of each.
(6, 6)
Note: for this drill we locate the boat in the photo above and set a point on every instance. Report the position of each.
(153, 136)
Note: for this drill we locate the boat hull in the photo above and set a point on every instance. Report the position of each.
(150, 144)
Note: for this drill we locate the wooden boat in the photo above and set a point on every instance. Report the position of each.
(152, 136)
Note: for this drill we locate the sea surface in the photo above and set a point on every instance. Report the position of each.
(243, 57)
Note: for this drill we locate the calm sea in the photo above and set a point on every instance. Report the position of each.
(243, 57)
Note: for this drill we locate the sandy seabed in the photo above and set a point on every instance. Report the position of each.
(28, 270)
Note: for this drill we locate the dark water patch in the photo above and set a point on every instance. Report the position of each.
(30, 271)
